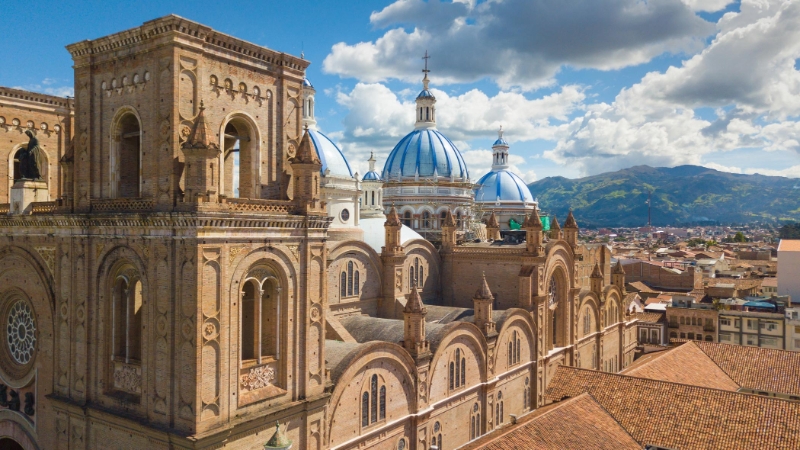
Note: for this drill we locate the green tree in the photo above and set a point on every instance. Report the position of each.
(739, 237)
(790, 231)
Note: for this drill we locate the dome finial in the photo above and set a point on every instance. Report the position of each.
(500, 133)
(425, 71)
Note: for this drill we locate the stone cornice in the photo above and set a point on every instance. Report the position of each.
(34, 100)
(177, 27)
(164, 220)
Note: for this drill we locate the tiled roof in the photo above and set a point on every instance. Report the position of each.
(648, 317)
(789, 245)
(757, 368)
(639, 286)
(590, 426)
(685, 364)
(676, 416)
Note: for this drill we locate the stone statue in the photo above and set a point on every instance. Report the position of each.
(32, 159)
(29, 402)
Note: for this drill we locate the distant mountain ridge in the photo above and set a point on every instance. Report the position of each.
(681, 195)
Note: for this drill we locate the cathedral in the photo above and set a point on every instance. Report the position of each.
(198, 266)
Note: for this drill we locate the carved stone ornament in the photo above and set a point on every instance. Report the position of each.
(21, 332)
(258, 377)
(127, 378)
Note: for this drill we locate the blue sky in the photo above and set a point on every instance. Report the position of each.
(580, 87)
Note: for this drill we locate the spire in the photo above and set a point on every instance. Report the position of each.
(570, 222)
(554, 224)
(392, 219)
(426, 102)
(306, 152)
(483, 292)
(278, 440)
(198, 137)
(596, 271)
(534, 221)
(492, 222)
(414, 303)
(618, 268)
(448, 220)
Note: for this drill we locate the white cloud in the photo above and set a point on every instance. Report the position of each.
(479, 162)
(707, 5)
(748, 69)
(378, 118)
(790, 172)
(519, 43)
(49, 86)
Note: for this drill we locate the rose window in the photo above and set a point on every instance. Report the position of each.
(21, 332)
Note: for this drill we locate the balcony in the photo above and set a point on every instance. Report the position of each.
(709, 328)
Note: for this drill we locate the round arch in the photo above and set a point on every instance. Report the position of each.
(125, 158)
(445, 338)
(557, 289)
(588, 300)
(239, 134)
(518, 318)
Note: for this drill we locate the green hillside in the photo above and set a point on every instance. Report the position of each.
(681, 195)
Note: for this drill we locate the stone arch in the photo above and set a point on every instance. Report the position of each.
(240, 140)
(517, 319)
(24, 276)
(271, 264)
(557, 281)
(386, 358)
(125, 162)
(588, 300)
(429, 256)
(613, 305)
(371, 279)
(121, 269)
(466, 335)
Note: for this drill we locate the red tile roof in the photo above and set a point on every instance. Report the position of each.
(685, 364)
(680, 416)
(590, 426)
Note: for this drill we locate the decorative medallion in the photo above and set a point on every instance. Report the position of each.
(315, 313)
(21, 332)
(258, 377)
(209, 331)
(161, 325)
(187, 330)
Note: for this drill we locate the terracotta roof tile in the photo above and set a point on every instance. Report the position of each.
(648, 317)
(588, 425)
(675, 415)
(757, 368)
(685, 364)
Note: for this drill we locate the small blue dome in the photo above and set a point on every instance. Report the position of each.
(422, 151)
(330, 155)
(307, 83)
(500, 141)
(425, 93)
(502, 185)
(371, 176)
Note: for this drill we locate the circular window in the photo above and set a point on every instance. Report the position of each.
(345, 215)
(402, 444)
(21, 332)
(436, 427)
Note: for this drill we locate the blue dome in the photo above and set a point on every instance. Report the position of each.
(371, 176)
(425, 93)
(307, 83)
(502, 185)
(422, 151)
(500, 141)
(330, 155)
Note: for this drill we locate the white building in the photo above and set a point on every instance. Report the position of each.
(372, 192)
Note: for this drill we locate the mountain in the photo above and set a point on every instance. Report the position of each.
(680, 195)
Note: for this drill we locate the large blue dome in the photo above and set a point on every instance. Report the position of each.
(330, 155)
(423, 152)
(504, 186)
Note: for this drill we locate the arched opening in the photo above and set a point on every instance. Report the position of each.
(126, 170)
(127, 319)
(260, 321)
(10, 444)
(557, 308)
(407, 219)
(426, 219)
(240, 159)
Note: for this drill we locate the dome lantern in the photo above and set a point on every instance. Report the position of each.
(426, 102)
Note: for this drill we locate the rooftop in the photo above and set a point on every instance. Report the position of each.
(789, 245)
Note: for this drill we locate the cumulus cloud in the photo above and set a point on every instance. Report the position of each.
(518, 43)
(747, 71)
(479, 162)
(49, 86)
(707, 5)
(790, 172)
(378, 118)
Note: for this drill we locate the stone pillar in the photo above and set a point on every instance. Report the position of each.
(26, 192)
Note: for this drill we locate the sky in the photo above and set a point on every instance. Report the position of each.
(580, 87)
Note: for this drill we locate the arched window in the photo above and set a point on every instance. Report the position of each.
(673, 335)
(510, 353)
(407, 218)
(526, 402)
(126, 169)
(683, 321)
(442, 217)
(373, 198)
(356, 283)
(452, 375)
(343, 284)
(475, 422)
(127, 318)
(426, 219)
(518, 342)
(350, 278)
(260, 329)
(499, 409)
(587, 322)
(458, 367)
(458, 370)
(412, 278)
(373, 402)
(463, 371)
(374, 399)
(365, 409)
(458, 219)
(240, 159)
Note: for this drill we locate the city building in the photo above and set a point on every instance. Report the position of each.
(689, 319)
(199, 271)
(789, 268)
